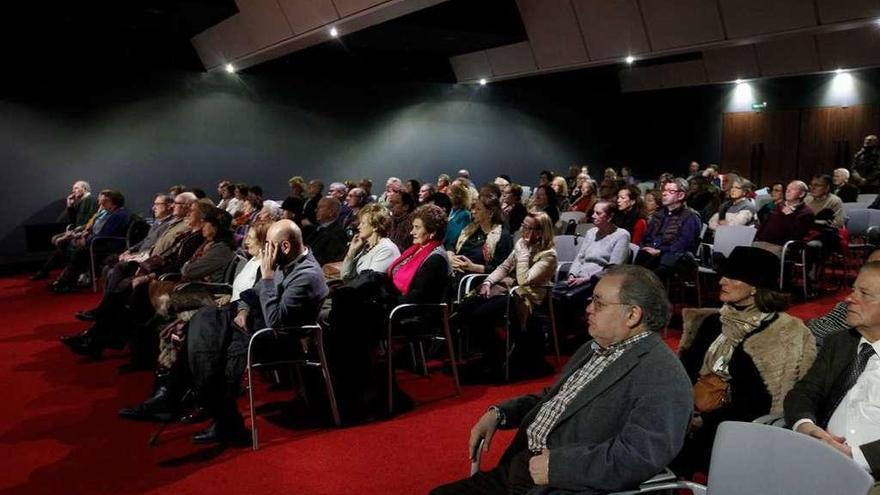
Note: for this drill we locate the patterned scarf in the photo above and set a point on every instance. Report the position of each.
(736, 324)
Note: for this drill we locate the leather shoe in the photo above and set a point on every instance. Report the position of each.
(84, 345)
(88, 315)
(160, 407)
(217, 434)
(197, 415)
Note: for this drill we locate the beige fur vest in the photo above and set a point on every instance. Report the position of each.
(782, 352)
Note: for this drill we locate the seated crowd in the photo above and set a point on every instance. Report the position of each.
(624, 406)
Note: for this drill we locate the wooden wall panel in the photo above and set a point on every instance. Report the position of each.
(762, 146)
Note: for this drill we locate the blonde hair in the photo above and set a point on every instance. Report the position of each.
(546, 227)
(560, 181)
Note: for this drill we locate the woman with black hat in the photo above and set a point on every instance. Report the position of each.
(744, 358)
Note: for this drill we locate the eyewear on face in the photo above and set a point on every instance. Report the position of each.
(600, 305)
(671, 191)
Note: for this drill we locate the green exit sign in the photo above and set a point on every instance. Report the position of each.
(759, 106)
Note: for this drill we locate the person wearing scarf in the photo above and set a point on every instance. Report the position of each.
(758, 350)
(421, 273)
(484, 244)
(530, 266)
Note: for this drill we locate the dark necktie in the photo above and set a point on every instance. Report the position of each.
(850, 376)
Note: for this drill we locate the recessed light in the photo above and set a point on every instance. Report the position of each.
(838, 71)
(738, 81)
(334, 32)
(483, 82)
(230, 68)
(630, 59)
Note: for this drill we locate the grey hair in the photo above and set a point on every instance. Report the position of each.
(85, 185)
(274, 209)
(680, 184)
(843, 172)
(338, 186)
(641, 287)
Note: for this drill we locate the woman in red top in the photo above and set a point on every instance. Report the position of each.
(629, 214)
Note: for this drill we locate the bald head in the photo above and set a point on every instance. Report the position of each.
(287, 235)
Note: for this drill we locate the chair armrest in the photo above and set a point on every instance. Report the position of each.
(559, 269)
(776, 419)
(216, 287)
(695, 488)
(464, 285)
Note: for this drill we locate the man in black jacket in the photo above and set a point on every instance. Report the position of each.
(327, 239)
(834, 401)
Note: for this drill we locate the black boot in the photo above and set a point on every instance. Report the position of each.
(162, 406)
(228, 426)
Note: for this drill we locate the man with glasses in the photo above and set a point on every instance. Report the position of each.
(672, 235)
(826, 205)
(616, 416)
(168, 226)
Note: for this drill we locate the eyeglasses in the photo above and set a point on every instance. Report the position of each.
(671, 191)
(600, 305)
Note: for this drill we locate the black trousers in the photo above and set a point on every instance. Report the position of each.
(509, 477)
(217, 352)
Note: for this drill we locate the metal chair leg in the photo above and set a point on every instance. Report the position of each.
(451, 348)
(553, 329)
(424, 358)
(328, 381)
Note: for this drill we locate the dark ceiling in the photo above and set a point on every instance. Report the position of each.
(39, 36)
(414, 47)
(42, 37)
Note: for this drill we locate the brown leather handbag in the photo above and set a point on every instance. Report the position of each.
(711, 392)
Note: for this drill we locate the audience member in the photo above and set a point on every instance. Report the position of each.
(544, 200)
(370, 248)
(402, 207)
(616, 416)
(513, 208)
(737, 209)
(827, 207)
(848, 193)
(693, 170)
(561, 189)
(483, 244)
(866, 165)
(750, 351)
(602, 247)
(672, 234)
(392, 186)
(460, 216)
(326, 240)
(80, 206)
(113, 226)
(442, 183)
(834, 402)
(289, 293)
(314, 191)
(651, 202)
(790, 221)
(531, 265)
(777, 197)
(834, 321)
(294, 203)
(587, 197)
(425, 192)
(629, 214)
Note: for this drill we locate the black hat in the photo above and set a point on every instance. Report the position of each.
(754, 266)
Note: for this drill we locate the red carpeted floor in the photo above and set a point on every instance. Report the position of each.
(59, 432)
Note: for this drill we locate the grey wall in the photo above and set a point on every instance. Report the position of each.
(140, 133)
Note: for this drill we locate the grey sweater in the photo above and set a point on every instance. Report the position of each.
(595, 255)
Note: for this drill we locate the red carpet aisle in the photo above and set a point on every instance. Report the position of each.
(59, 432)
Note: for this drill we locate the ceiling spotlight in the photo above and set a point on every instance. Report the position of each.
(483, 81)
(738, 81)
(630, 59)
(838, 71)
(230, 68)
(334, 32)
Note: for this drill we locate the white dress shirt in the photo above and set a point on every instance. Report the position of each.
(857, 417)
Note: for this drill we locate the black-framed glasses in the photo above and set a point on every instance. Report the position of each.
(600, 305)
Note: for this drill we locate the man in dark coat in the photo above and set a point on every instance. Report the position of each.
(834, 401)
(327, 238)
(616, 416)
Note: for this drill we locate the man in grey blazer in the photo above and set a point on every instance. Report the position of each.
(289, 293)
(616, 416)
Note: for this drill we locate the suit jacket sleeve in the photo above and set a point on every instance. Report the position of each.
(210, 264)
(804, 400)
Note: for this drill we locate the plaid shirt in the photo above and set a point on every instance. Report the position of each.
(552, 410)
